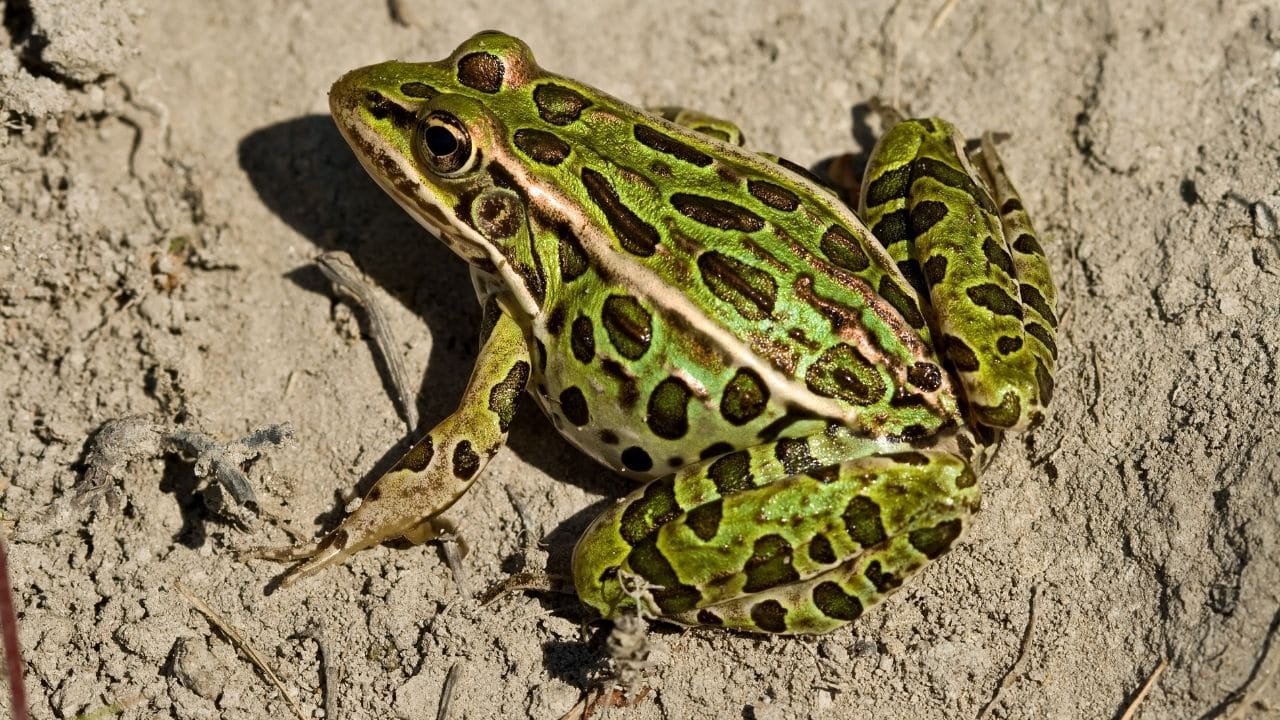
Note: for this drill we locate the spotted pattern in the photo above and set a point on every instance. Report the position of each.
(668, 416)
(465, 460)
(961, 355)
(716, 213)
(1028, 245)
(481, 71)
(925, 215)
(656, 507)
(541, 146)
(997, 255)
(1044, 382)
(1035, 300)
(1007, 344)
(935, 269)
(951, 177)
(704, 520)
(1039, 333)
(862, 521)
(503, 395)
(744, 397)
(994, 298)
(843, 249)
(889, 186)
(936, 540)
(574, 405)
(628, 325)
(794, 456)
(835, 603)
(706, 617)
(884, 581)
(893, 228)
(901, 301)
(773, 195)
(751, 291)
(558, 104)
(820, 550)
(926, 376)
(418, 457)
(769, 565)
(635, 235)
(497, 215)
(714, 450)
(582, 339)
(843, 372)
(637, 460)
(769, 616)
(731, 473)
(672, 596)
(555, 320)
(668, 145)
(746, 273)
(418, 90)
(573, 257)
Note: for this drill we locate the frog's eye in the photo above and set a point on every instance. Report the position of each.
(444, 144)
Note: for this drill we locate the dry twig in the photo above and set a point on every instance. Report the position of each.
(1142, 692)
(446, 692)
(1007, 680)
(328, 671)
(250, 651)
(349, 282)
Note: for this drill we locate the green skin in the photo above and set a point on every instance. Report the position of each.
(809, 400)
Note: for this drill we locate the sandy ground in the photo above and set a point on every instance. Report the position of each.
(168, 172)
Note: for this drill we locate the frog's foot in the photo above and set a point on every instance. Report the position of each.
(708, 125)
(888, 113)
(439, 468)
(355, 534)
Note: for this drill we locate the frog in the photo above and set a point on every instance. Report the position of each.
(805, 385)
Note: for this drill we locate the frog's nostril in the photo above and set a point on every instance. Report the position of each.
(379, 106)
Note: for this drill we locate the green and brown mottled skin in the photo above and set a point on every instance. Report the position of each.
(714, 321)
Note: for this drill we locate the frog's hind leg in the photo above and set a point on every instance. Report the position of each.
(718, 128)
(726, 131)
(962, 238)
(773, 539)
(1035, 288)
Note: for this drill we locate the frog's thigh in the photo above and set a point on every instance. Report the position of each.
(939, 221)
(771, 539)
(440, 467)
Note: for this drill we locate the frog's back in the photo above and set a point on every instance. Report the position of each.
(684, 296)
(699, 297)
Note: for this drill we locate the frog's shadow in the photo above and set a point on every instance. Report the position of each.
(306, 174)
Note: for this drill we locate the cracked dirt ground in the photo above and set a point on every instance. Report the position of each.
(168, 172)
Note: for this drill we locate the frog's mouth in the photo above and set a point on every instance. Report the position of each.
(379, 125)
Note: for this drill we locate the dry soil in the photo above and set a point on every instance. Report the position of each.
(168, 172)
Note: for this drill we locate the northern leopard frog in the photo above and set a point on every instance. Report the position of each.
(809, 400)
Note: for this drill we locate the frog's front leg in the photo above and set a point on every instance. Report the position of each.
(795, 536)
(440, 467)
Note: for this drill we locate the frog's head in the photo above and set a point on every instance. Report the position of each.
(436, 137)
